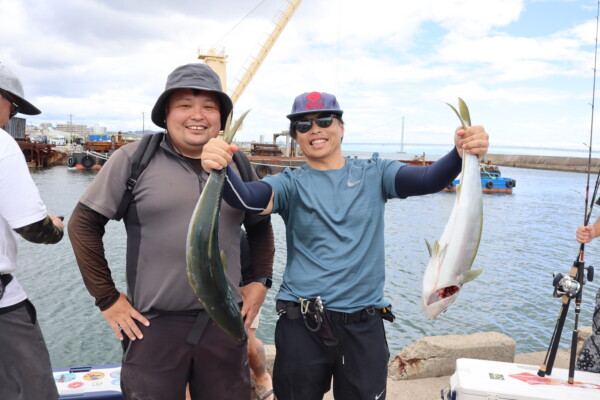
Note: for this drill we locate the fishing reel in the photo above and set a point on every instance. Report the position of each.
(566, 285)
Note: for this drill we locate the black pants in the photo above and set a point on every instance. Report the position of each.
(304, 366)
(25, 370)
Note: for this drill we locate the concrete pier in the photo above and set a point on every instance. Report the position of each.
(568, 164)
(414, 384)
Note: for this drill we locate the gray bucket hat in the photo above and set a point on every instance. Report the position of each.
(191, 76)
(11, 84)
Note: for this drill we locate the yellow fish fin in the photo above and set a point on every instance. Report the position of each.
(471, 274)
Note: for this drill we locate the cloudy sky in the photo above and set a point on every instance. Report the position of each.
(524, 67)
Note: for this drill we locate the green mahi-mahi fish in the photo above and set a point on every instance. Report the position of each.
(453, 254)
(206, 263)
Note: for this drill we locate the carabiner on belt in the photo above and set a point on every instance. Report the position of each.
(312, 310)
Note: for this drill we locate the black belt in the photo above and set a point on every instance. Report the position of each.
(199, 326)
(357, 316)
(200, 322)
(292, 311)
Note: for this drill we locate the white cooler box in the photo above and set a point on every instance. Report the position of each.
(82, 383)
(492, 380)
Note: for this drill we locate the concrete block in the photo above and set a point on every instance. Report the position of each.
(435, 356)
(582, 334)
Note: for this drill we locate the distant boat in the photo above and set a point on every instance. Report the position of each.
(96, 152)
(270, 165)
(492, 181)
(89, 160)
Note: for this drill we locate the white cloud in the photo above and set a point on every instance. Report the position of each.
(107, 61)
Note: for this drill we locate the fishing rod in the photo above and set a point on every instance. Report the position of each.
(571, 286)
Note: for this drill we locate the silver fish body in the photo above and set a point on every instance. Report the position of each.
(206, 262)
(453, 254)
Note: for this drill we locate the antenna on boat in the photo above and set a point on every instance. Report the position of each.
(571, 286)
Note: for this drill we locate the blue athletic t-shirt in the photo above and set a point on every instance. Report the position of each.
(334, 231)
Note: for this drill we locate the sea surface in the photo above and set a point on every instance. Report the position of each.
(527, 236)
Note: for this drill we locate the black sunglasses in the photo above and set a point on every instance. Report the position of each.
(304, 125)
(11, 101)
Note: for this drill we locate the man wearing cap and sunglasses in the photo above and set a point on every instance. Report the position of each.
(168, 339)
(331, 302)
(25, 370)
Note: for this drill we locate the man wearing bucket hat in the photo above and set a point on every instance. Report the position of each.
(331, 302)
(25, 370)
(168, 342)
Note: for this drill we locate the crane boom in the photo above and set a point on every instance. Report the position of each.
(267, 46)
(217, 59)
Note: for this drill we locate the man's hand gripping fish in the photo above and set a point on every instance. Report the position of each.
(205, 261)
(452, 256)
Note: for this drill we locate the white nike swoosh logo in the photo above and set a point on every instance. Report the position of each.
(352, 184)
(380, 394)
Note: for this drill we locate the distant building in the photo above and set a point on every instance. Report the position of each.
(73, 129)
(32, 130)
(97, 129)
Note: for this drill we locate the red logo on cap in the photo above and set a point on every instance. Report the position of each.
(313, 102)
(314, 96)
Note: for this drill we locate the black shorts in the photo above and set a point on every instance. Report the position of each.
(304, 366)
(161, 364)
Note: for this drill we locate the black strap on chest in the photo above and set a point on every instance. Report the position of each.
(241, 160)
(141, 158)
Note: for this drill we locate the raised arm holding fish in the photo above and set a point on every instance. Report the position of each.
(332, 295)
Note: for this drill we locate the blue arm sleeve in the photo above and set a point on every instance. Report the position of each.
(252, 197)
(414, 181)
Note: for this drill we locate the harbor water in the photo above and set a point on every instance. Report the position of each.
(527, 236)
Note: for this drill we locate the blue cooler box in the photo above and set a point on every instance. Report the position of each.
(100, 382)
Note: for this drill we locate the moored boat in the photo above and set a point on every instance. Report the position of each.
(269, 165)
(492, 181)
(95, 153)
(86, 160)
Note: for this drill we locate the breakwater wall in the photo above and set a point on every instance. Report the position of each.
(569, 164)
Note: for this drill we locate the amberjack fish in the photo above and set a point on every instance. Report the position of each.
(453, 254)
(206, 263)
